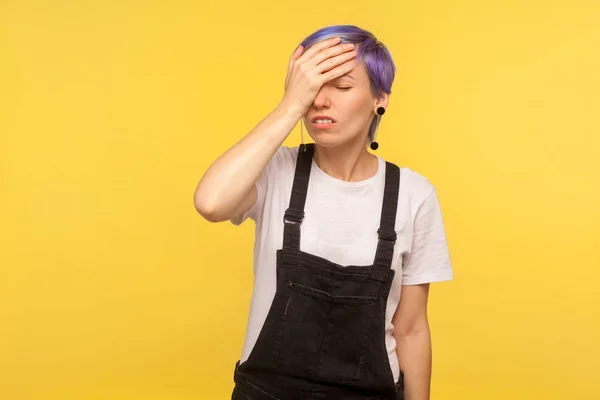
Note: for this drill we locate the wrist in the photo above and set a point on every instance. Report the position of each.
(289, 111)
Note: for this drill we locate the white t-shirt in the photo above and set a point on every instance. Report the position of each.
(340, 224)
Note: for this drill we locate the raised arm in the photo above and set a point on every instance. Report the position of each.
(227, 188)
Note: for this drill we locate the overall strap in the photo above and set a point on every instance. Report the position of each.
(387, 225)
(295, 213)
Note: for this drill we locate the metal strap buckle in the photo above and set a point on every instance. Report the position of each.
(293, 216)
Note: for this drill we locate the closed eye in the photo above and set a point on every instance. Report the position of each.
(344, 88)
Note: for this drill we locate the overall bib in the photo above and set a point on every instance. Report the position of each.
(324, 335)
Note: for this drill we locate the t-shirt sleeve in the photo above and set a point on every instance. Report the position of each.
(266, 178)
(253, 212)
(429, 259)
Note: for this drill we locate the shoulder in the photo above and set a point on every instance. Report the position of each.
(415, 186)
(417, 196)
(287, 152)
(416, 192)
(285, 156)
(283, 161)
(279, 169)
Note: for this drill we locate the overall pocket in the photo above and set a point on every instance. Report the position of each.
(323, 332)
(246, 390)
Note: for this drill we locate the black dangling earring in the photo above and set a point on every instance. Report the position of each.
(374, 144)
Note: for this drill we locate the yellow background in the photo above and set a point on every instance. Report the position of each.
(112, 287)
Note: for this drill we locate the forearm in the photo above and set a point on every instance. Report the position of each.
(230, 178)
(414, 357)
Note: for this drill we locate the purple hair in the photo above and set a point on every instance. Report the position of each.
(373, 53)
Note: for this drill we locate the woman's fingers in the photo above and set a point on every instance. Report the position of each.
(310, 68)
(329, 53)
(295, 55)
(316, 48)
(334, 61)
(338, 71)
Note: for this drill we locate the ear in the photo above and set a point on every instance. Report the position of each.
(382, 101)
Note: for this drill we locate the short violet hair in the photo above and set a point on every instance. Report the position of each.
(376, 57)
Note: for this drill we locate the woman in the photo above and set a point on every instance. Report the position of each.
(346, 243)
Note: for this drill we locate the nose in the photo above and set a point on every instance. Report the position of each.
(323, 99)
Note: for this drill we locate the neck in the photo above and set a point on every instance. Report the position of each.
(350, 162)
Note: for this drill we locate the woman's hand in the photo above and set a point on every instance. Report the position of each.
(308, 71)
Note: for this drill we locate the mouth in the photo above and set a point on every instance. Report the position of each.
(322, 122)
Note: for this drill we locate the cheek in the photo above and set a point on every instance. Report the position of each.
(357, 106)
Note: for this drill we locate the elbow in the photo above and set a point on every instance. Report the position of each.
(417, 329)
(206, 208)
(206, 213)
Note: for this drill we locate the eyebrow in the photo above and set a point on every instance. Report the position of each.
(347, 75)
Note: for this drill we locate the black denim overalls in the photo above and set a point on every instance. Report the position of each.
(324, 335)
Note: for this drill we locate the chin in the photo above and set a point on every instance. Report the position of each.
(329, 139)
